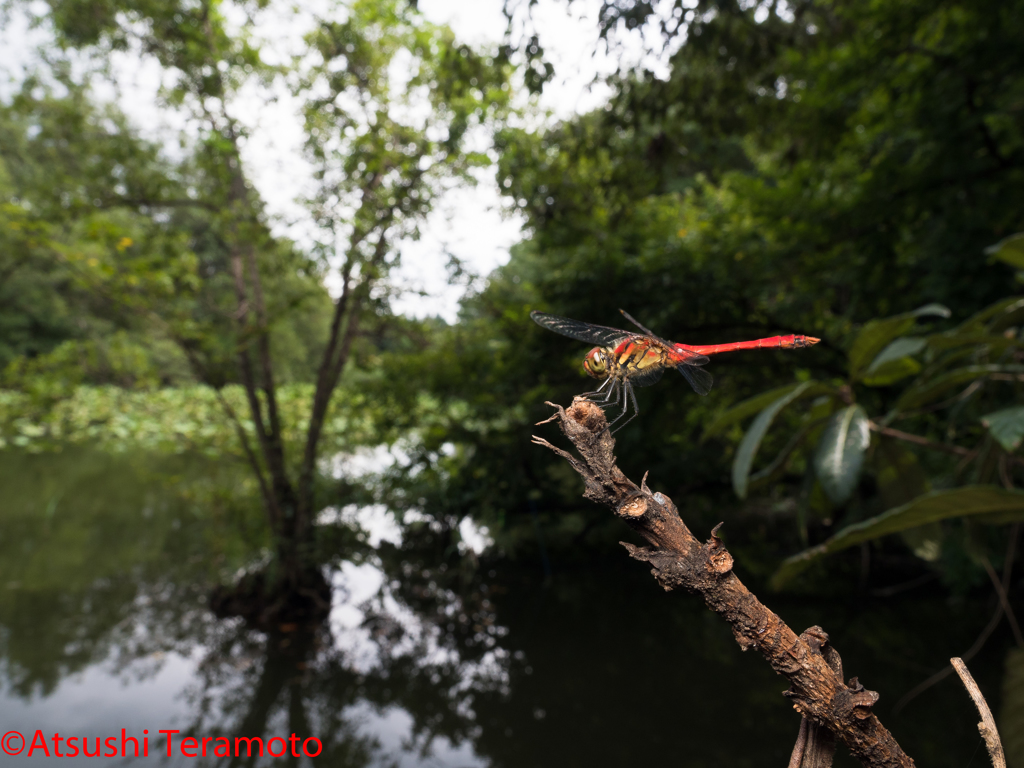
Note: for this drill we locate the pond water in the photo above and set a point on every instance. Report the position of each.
(106, 564)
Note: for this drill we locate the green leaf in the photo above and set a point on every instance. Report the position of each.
(1006, 426)
(876, 335)
(992, 505)
(840, 453)
(995, 342)
(979, 322)
(747, 449)
(930, 390)
(932, 310)
(1010, 250)
(1011, 715)
(873, 337)
(753, 405)
(892, 371)
(898, 349)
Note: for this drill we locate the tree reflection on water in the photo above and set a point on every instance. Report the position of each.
(117, 575)
(429, 657)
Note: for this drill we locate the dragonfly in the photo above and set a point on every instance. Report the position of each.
(627, 359)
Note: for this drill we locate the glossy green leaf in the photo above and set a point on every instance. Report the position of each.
(1010, 250)
(988, 504)
(755, 404)
(1011, 714)
(840, 453)
(751, 441)
(877, 334)
(898, 349)
(1006, 426)
(895, 362)
(932, 310)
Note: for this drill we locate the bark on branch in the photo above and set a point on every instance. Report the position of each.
(678, 559)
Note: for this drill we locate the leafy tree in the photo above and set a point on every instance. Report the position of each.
(218, 284)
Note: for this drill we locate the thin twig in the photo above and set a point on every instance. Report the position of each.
(1007, 608)
(987, 726)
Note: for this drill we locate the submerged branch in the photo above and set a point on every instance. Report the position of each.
(678, 559)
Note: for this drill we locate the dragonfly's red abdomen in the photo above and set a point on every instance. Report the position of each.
(778, 342)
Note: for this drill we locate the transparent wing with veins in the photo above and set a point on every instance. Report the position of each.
(699, 379)
(598, 335)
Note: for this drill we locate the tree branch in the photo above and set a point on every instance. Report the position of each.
(275, 438)
(680, 560)
(924, 442)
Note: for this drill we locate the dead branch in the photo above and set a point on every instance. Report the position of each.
(987, 726)
(678, 559)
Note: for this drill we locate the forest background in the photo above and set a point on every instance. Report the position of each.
(848, 170)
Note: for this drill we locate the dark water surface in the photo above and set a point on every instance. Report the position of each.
(105, 568)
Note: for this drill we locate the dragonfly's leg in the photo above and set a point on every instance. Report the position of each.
(636, 410)
(597, 391)
(612, 392)
(627, 392)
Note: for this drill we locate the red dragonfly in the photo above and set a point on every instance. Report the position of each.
(626, 359)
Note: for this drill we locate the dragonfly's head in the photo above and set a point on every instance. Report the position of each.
(596, 363)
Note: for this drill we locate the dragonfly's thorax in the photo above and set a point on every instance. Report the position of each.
(638, 356)
(631, 359)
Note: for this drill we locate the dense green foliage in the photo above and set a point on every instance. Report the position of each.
(808, 171)
(802, 174)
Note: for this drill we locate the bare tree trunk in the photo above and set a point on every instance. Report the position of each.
(678, 559)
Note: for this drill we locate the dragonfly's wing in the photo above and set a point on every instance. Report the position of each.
(685, 356)
(699, 379)
(647, 378)
(599, 335)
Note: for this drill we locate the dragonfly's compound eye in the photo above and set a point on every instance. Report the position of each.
(595, 363)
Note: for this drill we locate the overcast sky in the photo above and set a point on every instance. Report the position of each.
(469, 222)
